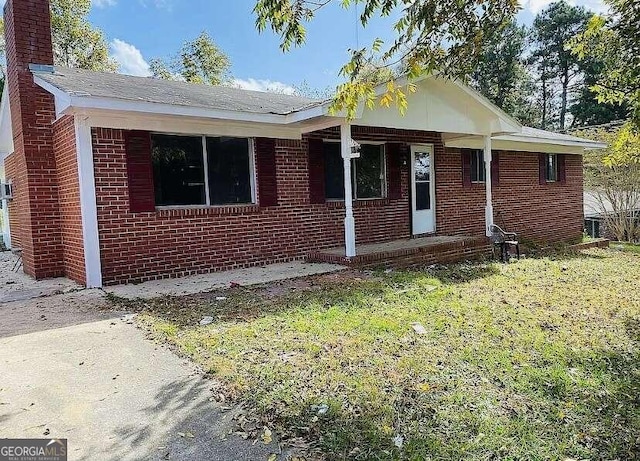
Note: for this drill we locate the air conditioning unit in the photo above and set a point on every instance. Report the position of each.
(6, 191)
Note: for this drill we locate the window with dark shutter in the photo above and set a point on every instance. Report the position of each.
(266, 166)
(495, 169)
(562, 168)
(542, 169)
(466, 168)
(139, 171)
(316, 170)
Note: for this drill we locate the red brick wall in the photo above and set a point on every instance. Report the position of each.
(28, 41)
(540, 213)
(64, 146)
(144, 246)
(170, 243)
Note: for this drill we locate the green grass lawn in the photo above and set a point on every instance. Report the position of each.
(533, 360)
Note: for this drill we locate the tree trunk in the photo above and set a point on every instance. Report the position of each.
(544, 103)
(565, 86)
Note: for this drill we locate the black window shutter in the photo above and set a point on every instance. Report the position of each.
(139, 171)
(562, 168)
(495, 169)
(266, 169)
(542, 166)
(466, 167)
(394, 170)
(316, 171)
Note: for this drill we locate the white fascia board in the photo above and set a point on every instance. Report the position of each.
(509, 145)
(586, 144)
(186, 125)
(61, 99)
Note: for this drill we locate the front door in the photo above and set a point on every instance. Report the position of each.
(423, 190)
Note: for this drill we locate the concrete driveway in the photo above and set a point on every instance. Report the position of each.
(115, 396)
(71, 368)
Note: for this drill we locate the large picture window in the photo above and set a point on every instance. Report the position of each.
(198, 170)
(368, 172)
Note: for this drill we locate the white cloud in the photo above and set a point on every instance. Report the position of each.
(130, 59)
(535, 6)
(103, 3)
(263, 85)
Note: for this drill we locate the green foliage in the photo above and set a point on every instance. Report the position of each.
(199, 61)
(613, 40)
(534, 360)
(76, 43)
(501, 75)
(432, 36)
(552, 30)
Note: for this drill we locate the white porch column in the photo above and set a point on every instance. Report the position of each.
(5, 232)
(487, 169)
(349, 221)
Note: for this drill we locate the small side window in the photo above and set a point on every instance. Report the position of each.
(552, 168)
(477, 166)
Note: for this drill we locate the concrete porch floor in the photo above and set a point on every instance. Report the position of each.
(408, 252)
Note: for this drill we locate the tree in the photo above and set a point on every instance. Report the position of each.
(587, 110)
(199, 61)
(613, 177)
(614, 40)
(431, 36)
(76, 43)
(501, 75)
(552, 30)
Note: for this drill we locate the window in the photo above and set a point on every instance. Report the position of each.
(368, 172)
(552, 168)
(198, 170)
(592, 227)
(477, 166)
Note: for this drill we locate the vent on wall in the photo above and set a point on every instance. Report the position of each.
(6, 191)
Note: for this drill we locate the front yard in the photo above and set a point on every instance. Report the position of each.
(538, 359)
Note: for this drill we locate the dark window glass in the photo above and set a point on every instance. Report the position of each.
(477, 166)
(423, 196)
(333, 171)
(552, 168)
(229, 163)
(369, 172)
(178, 170)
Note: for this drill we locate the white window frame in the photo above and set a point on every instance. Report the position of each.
(480, 172)
(207, 204)
(555, 167)
(354, 172)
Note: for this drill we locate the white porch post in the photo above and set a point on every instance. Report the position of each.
(349, 221)
(487, 169)
(5, 232)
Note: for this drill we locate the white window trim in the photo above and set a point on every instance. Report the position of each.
(480, 155)
(207, 204)
(354, 172)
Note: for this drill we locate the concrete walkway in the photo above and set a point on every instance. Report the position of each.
(115, 396)
(220, 280)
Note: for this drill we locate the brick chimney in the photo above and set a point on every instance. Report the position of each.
(28, 41)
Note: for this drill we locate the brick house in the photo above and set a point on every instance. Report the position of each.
(121, 179)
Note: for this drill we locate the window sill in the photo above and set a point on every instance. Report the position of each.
(360, 203)
(207, 210)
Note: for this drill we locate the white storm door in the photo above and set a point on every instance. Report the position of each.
(423, 190)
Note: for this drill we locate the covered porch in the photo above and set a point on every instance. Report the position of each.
(406, 253)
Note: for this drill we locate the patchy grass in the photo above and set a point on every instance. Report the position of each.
(625, 246)
(537, 359)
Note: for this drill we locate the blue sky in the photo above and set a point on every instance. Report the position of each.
(139, 30)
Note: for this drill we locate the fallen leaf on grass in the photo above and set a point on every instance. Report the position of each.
(266, 436)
